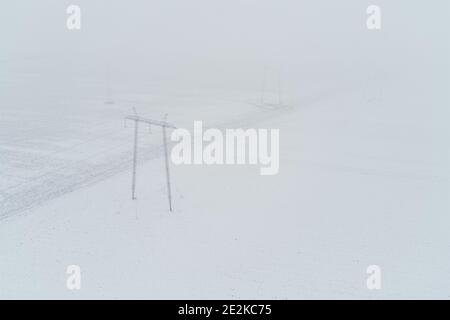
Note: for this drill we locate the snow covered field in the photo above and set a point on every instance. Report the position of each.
(364, 156)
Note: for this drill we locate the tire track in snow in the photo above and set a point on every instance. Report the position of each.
(68, 178)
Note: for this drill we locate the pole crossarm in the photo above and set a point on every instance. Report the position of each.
(151, 121)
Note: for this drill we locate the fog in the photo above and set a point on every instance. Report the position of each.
(224, 44)
(364, 165)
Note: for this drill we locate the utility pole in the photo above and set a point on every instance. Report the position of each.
(166, 157)
(108, 89)
(280, 102)
(275, 93)
(133, 183)
(164, 125)
(263, 86)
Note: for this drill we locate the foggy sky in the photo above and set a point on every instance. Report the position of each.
(232, 40)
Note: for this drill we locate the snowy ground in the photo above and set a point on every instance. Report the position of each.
(355, 188)
(364, 155)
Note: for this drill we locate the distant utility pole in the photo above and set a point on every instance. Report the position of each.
(164, 125)
(263, 86)
(279, 90)
(133, 186)
(280, 101)
(108, 89)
